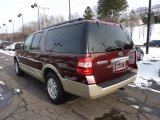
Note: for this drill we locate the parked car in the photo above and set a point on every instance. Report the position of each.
(140, 53)
(12, 46)
(4, 44)
(87, 58)
(155, 43)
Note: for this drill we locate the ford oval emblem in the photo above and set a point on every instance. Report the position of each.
(120, 54)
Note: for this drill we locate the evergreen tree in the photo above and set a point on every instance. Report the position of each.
(111, 8)
(88, 13)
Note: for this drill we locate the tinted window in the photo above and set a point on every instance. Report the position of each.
(103, 37)
(36, 41)
(67, 39)
(28, 42)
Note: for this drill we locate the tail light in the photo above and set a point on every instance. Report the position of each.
(84, 67)
(133, 59)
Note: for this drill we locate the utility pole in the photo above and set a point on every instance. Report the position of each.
(6, 32)
(39, 23)
(20, 15)
(2, 33)
(45, 16)
(13, 29)
(148, 27)
(69, 10)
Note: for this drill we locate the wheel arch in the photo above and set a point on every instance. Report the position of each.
(16, 59)
(50, 68)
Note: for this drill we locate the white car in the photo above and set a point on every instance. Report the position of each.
(12, 46)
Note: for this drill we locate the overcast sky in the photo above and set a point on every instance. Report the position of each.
(9, 9)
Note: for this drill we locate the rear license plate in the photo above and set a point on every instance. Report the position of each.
(120, 65)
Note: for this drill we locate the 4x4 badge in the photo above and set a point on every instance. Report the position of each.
(120, 54)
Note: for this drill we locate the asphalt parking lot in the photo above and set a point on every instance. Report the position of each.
(24, 98)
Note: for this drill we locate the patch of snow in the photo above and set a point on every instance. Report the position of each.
(153, 53)
(0, 94)
(148, 72)
(17, 90)
(10, 53)
(135, 106)
(1, 67)
(2, 83)
(2, 98)
(146, 109)
(131, 99)
(157, 91)
(132, 85)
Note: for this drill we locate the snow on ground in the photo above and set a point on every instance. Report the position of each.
(17, 90)
(2, 83)
(148, 71)
(135, 106)
(143, 108)
(10, 53)
(154, 52)
(1, 98)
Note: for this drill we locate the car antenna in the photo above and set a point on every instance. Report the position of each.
(121, 26)
(97, 23)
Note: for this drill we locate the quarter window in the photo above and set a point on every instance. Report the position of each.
(36, 41)
(27, 44)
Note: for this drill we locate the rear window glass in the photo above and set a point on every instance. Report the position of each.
(104, 37)
(70, 39)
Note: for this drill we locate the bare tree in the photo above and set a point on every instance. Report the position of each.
(95, 12)
(52, 20)
(75, 16)
(132, 21)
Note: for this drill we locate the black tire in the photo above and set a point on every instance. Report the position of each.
(58, 94)
(18, 71)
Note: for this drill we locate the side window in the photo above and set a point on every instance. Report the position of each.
(27, 44)
(36, 41)
(66, 39)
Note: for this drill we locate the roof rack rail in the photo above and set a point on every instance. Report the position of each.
(74, 20)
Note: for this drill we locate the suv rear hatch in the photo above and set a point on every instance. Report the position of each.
(111, 51)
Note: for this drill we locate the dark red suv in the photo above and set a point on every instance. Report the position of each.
(87, 58)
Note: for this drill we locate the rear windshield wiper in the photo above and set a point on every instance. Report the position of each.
(114, 48)
(109, 48)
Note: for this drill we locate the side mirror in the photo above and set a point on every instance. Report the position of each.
(19, 46)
